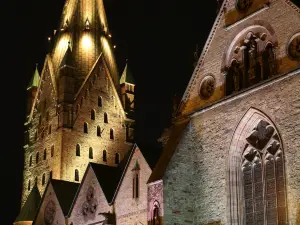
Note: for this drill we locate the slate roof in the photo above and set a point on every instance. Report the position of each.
(31, 206)
(34, 82)
(168, 151)
(65, 192)
(108, 178)
(127, 76)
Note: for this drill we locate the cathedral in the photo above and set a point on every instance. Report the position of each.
(231, 155)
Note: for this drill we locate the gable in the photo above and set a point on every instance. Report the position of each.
(89, 201)
(210, 72)
(49, 211)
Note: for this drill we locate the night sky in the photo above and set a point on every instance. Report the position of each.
(157, 37)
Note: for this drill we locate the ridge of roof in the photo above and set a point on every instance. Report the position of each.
(31, 206)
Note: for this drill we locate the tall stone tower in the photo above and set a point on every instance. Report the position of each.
(75, 114)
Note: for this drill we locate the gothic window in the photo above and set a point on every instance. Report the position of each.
(99, 101)
(98, 131)
(155, 218)
(37, 157)
(93, 114)
(28, 188)
(76, 175)
(104, 156)
(250, 63)
(85, 127)
(105, 118)
(91, 153)
(117, 158)
(111, 134)
(52, 150)
(50, 129)
(135, 180)
(43, 179)
(45, 154)
(77, 150)
(136, 185)
(257, 182)
(30, 161)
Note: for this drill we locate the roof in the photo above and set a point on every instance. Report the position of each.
(108, 178)
(34, 82)
(30, 208)
(127, 76)
(65, 192)
(171, 146)
(68, 58)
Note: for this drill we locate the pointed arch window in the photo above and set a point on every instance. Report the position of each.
(30, 160)
(257, 185)
(85, 127)
(111, 134)
(99, 101)
(104, 156)
(45, 154)
(76, 175)
(52, 150)
(98, 131)
(78, 150)
(43, 179)
(155, 217)
(117, 158)
(93, 114)
(91, 154)
(105, 118)
(37, 157)
(29, 182)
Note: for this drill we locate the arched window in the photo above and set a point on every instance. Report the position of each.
(52, 150)
(93, 113)
(117, 158)
(111, 134)
(76, 175)
(43, 179)
(91, 156)
(136, 185)
(257, 181)
(37, 157)
(30, 160)
(85, 127)
(155, 218)
(98, 131)
(99, 101)
(50, 129)
(78, 150)
(45, 154)
(28, 188)
(104, 156)
(269, 62)
(105, 118)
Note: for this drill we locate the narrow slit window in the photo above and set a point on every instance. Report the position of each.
(28, 188)
(98, 131)
(112, 137)
(50, 129)
(93, 114)
(136, 185)
(91, 156)
(117, 158)
(37, 157)
(99, 101)
(45, 154)
(105, 118)
(85, 127)
(30, 161)
(76, 175)
(43, 179)
(52, 150)
(77, 150)
(104, 156)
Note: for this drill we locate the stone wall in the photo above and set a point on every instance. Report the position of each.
(155, 199)
(199, 166)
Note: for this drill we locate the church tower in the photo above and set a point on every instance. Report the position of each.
(75, 113)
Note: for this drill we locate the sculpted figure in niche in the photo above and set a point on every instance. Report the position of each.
(89, 207)
(49, 213)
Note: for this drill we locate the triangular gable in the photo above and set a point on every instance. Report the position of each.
(48, 67)
(194, 80)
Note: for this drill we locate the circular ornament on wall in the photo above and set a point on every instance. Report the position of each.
(49, 213)
(294, 47)
(243, 5)
(207, 86)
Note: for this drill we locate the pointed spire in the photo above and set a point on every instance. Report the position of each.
(35, 79)
(127, 76)
(31, 205)
(68, 59)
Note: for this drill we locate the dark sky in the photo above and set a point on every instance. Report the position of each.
(158, 37)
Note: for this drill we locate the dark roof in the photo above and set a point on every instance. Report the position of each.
(68, 58)
(65, 192)
(127, 76)
(108, 178)
(31, 206)
(169, 149)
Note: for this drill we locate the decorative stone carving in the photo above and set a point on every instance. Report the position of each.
(294, 47)
(89, 207)
(207, 86)
(49, 213)
(243, 5)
